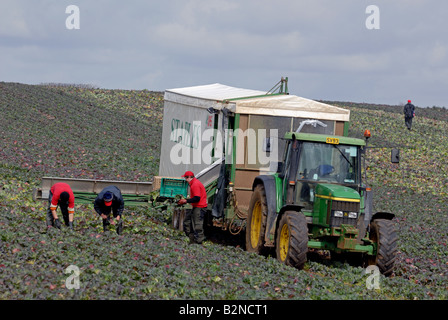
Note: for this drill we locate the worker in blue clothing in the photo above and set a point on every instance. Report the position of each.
(108, 201)
(409, 114)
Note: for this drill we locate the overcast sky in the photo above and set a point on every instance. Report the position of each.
(324, 47)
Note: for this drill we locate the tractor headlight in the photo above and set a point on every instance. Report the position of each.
(353, 215)
(338, 213)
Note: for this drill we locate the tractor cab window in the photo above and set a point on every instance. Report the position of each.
(325, 163)
(328, 163)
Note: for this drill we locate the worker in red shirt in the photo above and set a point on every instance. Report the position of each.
(61, 195)
(194, 219)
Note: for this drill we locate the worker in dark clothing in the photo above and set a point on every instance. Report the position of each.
(194, 219)
(110, 200)
(409, 114)
(60, 195)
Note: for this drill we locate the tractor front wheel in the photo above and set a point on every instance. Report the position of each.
(383, 233)
(292, 239)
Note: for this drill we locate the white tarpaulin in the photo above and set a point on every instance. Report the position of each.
(291, 106)
(206, 96)
(186, 118)
(220, 96)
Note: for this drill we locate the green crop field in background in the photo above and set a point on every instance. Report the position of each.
(80, 132)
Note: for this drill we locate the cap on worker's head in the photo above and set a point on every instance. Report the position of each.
(108, 198)
(188, 174)
(409, 101)
(64, 196)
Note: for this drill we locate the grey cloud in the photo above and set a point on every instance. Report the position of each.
(322, 46)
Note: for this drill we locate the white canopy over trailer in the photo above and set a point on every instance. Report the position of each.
(193, 116)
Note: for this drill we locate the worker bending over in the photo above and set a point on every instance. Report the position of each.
(110, 200)
(60, 195)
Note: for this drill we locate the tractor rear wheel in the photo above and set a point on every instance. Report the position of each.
(292, 239)
(382, 231)
(256, 221)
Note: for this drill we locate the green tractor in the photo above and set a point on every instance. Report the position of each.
(317, 200)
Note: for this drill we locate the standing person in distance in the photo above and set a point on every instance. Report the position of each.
(60, 195)
(409, 113)
(194, 219)
(110, 200)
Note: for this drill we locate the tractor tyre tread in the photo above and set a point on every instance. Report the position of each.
(298, 241)
(387, 245)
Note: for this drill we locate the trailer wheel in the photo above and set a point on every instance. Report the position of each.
(382, 231)
(256, 221)
(292, 239)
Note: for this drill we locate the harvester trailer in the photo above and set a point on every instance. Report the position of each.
(278, 169)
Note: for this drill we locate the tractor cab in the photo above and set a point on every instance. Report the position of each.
(321, 167)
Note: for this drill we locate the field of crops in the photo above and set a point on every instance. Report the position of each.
(79, 132)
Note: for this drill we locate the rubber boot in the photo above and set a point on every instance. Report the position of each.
(192, 238)
(70, 225)
(106, 224)
(119, 226)
(57, 223)
(50, 222)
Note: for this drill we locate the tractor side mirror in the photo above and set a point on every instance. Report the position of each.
(279, 167)
(395, 156)
(267, 144)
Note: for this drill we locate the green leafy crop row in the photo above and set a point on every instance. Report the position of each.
(115, 134)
